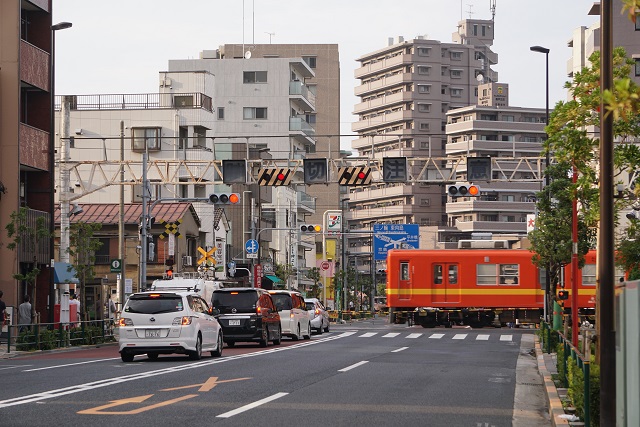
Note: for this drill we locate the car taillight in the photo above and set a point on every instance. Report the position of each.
(125, 322)
(258, 310)
(184, 321)
(317, 312)
(291, 315)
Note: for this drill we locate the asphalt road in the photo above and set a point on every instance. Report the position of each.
(359, 374)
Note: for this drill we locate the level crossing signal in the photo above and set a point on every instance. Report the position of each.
(463, 190)
(563, 294)
(224, 198)
(354, 175)
(275, 176)
(311, 228)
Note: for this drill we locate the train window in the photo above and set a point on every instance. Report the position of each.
(404, 271)
(509, 274)
(453, 274)
(486, 274)
(437, 274)
(589, 275)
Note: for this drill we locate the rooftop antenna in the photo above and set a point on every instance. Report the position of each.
(470, 11)
(270, 35)
(492, 8)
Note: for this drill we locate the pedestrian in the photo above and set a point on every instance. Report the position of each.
(351, 305)
(24, 314)
(111, 310)
(3, 312)
(73, 302)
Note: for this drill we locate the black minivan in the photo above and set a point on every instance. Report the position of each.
(247, 314)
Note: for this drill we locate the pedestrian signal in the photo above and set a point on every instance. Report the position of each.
(563, 294)
(463, 190)
(310, 228)
(224, 198)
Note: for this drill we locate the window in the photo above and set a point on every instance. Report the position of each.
(453, 274)
(425, 202)
(254, 113)
(424, 126)
(456, 56)
(437, 274)
(310, 60)
(424, 144)
(475, 29)
(424, 70)
(424, 51)
(456, 92)
(142, 138)
(424, 88)
(492, 117)
(456, 74)
(637, 68)
(199, 136)
(424, 108)
(443, 91)
(589, 274)
(254, 77)
(102, 254)
(220, 113)
(508, 118)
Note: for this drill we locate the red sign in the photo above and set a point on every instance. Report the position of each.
(325, 265)
(257, 276)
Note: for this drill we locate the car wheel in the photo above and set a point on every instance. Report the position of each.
(278, 339)
(152, 356)
(197, 353)
(327, 328)
(308, 334)
(126, 357)
(296, 337)
(264, 340)
(319, 330)
(218, 351)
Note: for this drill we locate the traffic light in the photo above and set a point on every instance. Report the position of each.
(563, 294)
(275, 176)
(354, 175)
(224, 198)
(311, 228)
(463, 190)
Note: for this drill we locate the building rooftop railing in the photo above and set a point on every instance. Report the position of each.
(138, 101)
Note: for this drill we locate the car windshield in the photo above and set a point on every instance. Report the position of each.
(241, 301)
(311, 306)
(154, 304)
(282, 301)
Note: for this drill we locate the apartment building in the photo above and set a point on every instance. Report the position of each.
(493, 128)
(26, 148)
(406, 90)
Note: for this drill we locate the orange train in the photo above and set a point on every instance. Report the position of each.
(476, 287)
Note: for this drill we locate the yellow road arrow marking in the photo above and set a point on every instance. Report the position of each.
(100, 410)
(207, 385)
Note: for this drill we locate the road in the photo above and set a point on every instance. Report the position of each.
(368, 373)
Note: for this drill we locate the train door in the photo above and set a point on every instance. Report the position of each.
(446, 283)
(404, 281)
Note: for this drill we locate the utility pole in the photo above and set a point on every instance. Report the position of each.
(144, 223)
(121, 242)
(65, 114)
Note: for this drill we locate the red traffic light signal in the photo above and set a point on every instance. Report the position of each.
(563, 294)
(463, 190)
(224, 198)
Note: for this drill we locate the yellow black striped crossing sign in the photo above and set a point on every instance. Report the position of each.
(354, 175)
(170, 228)
(275, 176)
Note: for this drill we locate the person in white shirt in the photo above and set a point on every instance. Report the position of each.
(74, 302)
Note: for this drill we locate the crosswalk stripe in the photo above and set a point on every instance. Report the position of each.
(506, 337)
(391, 335)
(482, 337)
(368, 334)
(436, 336)
(459, 336)
(414, 335)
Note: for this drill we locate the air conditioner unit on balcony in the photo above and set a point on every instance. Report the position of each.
(187, 261)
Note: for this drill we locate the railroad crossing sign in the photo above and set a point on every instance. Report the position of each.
(207, 257)
(252, 248)
(170, 228)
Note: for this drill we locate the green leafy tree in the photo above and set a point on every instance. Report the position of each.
(284, 271)
(314, 274)
(82, 248)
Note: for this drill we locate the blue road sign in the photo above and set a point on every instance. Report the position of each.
(394, 236)
(251, 246)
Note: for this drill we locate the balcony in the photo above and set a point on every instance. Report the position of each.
(495, 126)
(385, 64)
(142, 101)
(33, 147)
(302, 129)
(306, 203)
(508, 148)
(497, 206)
(492, 226)
(395, 211)
(383, 82)
(302, 95)
(383, 120)
(383, 101)
(381, 193)
(34, 66)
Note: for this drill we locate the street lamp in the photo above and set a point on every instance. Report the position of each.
(52, 147)
(546, 51)
(343, 202)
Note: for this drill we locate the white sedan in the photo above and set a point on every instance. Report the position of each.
(318, 315)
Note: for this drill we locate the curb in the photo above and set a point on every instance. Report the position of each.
(17, 354)
(555, 404)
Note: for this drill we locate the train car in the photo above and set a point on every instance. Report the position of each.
(476, 287)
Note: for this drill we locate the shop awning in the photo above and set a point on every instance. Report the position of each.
(274, 279)
(64, 274)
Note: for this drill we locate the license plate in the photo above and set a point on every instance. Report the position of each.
(152, 333)
(234, 322)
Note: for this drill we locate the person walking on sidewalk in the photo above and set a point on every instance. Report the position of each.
(3, 312)
(24, 314)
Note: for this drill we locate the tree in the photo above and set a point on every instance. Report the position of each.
(82, 248)
(25, 237)
(284, 271)
(314, 274)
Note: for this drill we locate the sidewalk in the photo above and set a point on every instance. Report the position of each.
(548, 367)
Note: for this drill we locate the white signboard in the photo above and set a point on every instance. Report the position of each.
(531, 223)
(334, 223)
(128, 286)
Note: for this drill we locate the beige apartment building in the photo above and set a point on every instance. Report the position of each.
(406, 90)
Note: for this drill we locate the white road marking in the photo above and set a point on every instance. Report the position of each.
(506, 337)
(355, 365)
(391, 335)
(80, 388)
(13, 367)
(368, 334)
(70, 364)
(482, 337)
(398, 350)
(436, 336)
(414, 336)
(251, 405)
(459, 336)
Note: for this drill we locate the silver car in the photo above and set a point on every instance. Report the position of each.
(155, 323)
(318, 315)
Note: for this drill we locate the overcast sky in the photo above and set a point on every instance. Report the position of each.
(119, 46)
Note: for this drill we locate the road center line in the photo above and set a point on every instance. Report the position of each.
(251, 405)
(70, 364)
(355, 365)
(398, 350)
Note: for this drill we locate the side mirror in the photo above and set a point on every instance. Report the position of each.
(214, 311)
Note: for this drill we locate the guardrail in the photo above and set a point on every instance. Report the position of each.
(48, 336)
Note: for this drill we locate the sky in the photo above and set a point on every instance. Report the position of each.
(120, 46)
